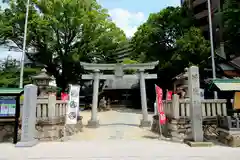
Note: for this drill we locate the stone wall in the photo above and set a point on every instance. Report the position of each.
(180, 129)
(176, 129)
(230, 138)
(6, 130)
(52, 130)
(46, 130)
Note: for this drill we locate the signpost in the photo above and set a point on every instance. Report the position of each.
(162, 117)
(195, 103)
(28, 117)
(10, 107)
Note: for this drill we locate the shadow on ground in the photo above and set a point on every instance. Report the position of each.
(128, 110)
(120, 124)
(151, 137)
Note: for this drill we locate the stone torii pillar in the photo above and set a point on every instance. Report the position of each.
(119, 74)
(144, 122)
(93, 122)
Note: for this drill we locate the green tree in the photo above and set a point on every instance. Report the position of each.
(155, 39)
(10, 71)
(192, 48)
(170, 37)
(231, 22)
(129, 61)
(61, 33)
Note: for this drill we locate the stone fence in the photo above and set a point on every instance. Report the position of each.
(48, 108)
(50, 125)
(178, 126)
(180, 108)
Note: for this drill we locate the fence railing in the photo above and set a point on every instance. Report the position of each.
(180, 108)
(48, 108)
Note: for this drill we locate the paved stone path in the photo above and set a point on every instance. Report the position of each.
(118, 138)
(116, 150)
(115, 124)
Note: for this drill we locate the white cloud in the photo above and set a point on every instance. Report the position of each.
(127, 21)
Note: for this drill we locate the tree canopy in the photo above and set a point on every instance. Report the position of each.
(61, 33)
(231, 22)
(10, 71)
(170, 37)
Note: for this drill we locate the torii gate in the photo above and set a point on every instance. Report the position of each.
(119, 74)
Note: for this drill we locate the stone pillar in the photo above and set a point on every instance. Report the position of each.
(144, 122)
(195, 104)
(29, 117)
(52, 106)
(51, 134)
(93, 122)
(175, 106)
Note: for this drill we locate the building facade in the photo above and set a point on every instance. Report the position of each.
(200, 10)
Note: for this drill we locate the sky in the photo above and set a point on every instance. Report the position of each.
(126, 14)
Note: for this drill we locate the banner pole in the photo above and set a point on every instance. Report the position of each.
(159, 111)
(160, 127)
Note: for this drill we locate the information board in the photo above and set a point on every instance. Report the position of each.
(7, 106)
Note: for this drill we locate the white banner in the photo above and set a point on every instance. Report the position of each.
(73, 104)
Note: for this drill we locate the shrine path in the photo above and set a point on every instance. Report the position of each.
(119, 123)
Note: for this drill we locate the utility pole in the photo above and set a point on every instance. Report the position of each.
(212, 45)
(24, 45)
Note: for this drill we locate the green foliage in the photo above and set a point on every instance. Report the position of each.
(169, 36)
(61, 33)
(192, 47)
(129, 61)
(10, 73)
(231, 21)
(158, 35)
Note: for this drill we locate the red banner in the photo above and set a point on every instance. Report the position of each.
(159, 96)
(64, 96)
(169, 95)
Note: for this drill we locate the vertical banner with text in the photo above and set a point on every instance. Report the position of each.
(159, 96)
(73, 104)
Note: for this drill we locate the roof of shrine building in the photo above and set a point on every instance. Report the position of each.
(120, 84)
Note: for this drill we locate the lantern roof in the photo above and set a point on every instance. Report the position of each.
(43, 75)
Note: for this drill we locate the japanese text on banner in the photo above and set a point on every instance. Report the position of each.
(159, 96)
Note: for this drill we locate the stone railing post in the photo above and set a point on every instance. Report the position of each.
(52, 107)
(175, 107)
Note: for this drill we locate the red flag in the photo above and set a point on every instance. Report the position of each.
(169, 95)
(159, 95)
(64, 96)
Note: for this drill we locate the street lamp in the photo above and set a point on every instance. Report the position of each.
(24, 45)
(212, 45)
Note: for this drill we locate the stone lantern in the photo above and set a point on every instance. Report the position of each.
(42, 81)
